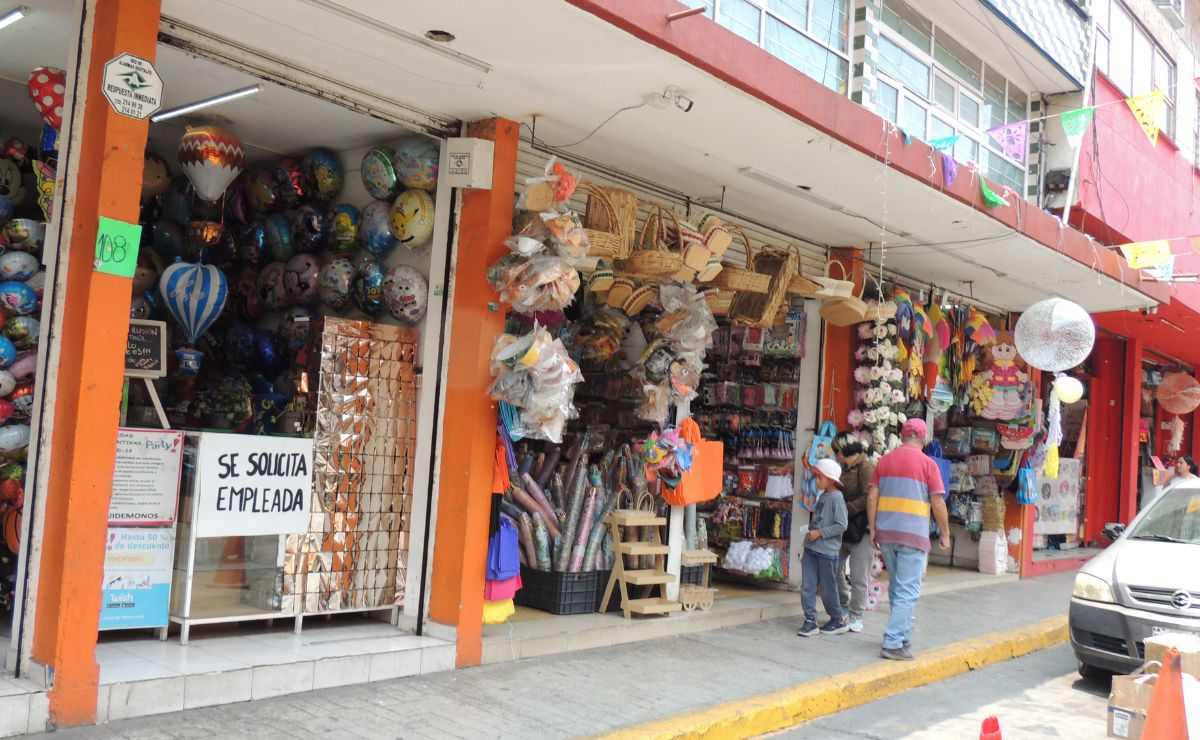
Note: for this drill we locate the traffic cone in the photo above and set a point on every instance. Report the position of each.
(1166, 718)
(990, 729)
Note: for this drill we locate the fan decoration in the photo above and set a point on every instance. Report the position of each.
(1179, 393)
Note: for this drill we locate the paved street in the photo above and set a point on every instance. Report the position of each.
(600, 690)
(1039, 695)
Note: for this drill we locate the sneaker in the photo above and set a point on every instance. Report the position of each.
(839, 627)
(902, 653)
(855, 624)
(809, 629)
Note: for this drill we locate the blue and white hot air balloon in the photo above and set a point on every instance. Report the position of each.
(195, 295)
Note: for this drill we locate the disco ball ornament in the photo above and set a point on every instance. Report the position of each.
(1055, 335)
(1178, 393)
(367, 288)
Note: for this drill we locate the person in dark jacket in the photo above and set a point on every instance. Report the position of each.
(857, 553)
(821, 547)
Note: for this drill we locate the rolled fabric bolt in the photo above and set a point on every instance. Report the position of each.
(555, 551)
(557, 495)
(511, 510)
(606, 551)
(541, 542)
(583, 531)
(525, 535)
(546, 471)
(574, 509)
(526, 463)
(576, 452)
(528, 503)
(538, 462)
(593, 557)
(538, 495)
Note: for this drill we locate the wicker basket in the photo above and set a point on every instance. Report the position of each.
(654, 258)
(719, 301)
(693, 597)
(759, 309)
(845, 310)
(831, 287)
(739, 279)
(610, 220)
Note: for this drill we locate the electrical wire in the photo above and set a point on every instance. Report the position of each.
(594, 131)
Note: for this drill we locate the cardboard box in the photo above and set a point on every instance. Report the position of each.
(1187, 645)
(1127, 705)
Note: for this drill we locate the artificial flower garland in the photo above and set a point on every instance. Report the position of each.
(880, 396)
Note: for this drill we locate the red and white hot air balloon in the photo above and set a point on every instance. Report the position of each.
(211, 157)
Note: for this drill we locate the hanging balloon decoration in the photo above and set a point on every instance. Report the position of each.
(375, 228)
(47, 89)
(343, 220)
(194, 295)
(211, 157)
(322, 174)
(1178, 393)
(367, 288)
(289, 183)
(1068, 389)
(336, 278)
(416, 163)
(301, 278)
(406, 293)
(156, 175)
(412, 218)
(310, 229)
(1055, 335)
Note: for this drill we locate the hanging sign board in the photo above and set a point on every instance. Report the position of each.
(252, 485)
(146, 349)
(146, 477)
(137, 577)
(132, 86)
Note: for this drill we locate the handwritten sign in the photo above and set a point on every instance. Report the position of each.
(146, 478)
(137, 577)
(117, 247)
(146, 349)
(252, 485)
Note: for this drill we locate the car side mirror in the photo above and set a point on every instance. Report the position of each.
(1113, 531)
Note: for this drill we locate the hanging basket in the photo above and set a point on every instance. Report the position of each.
(759, 309)
(738, 279)
(801, 285)
(654, 258)
(610, 219)
(845, 310)
(831, 287)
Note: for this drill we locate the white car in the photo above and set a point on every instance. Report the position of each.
(1146, 583)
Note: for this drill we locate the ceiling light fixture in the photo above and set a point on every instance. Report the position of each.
(207, 102)
(13, 16)
(374, 24)
(800, 191)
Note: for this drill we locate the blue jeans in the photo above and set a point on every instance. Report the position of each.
(905, 566)
(818, 571)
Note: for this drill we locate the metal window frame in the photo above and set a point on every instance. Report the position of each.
(764, 11)
(1172, 101)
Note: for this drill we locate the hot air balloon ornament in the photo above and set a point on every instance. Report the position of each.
(194, 295)
(211, 157)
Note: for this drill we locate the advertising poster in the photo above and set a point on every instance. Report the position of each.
(137, 577)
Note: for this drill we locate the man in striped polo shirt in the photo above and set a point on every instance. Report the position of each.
(906, 485)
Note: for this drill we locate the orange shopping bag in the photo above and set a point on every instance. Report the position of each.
(703, 481)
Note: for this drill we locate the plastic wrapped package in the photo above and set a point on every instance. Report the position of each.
(655, 403)
(687, 321)
(539, 283)
(567, 234)
(535, 374)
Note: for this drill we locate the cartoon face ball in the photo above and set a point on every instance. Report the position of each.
(416, 163)
(323, 174)
(343, 220)
(374, 228)
(412, 218)
(301, 278)
(337, 277)
(367, 288)
(406, 293)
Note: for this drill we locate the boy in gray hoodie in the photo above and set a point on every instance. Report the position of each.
(822, 545)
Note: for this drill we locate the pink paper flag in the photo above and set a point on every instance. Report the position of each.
(1013, 139)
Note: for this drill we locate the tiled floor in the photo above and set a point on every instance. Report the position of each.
(139, 657)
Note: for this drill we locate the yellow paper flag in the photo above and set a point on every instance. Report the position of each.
(1147, 254)
(1148, 110)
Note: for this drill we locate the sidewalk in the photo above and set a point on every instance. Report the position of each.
(599, 691)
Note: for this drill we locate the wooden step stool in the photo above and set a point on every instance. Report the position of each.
(646, 578)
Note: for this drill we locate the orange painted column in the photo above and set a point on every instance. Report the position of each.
(837, 374)
(469, 432)
(95, 321)
(1131, 471)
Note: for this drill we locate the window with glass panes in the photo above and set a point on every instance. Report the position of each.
(1131, 59)
(932, 86)
(811, 35)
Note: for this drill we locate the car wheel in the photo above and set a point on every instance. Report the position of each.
(1091, 672)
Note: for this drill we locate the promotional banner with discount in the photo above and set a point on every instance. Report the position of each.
(252, 485)
(137, 577)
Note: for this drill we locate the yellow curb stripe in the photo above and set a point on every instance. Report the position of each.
(778, 710)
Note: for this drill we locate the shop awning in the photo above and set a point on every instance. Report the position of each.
(776, 146)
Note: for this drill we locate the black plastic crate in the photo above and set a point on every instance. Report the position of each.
(561, 593)
(692, 574)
